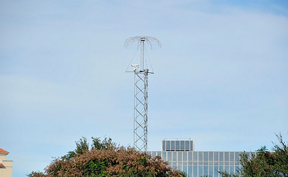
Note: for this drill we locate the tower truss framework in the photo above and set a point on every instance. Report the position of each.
(141, 94)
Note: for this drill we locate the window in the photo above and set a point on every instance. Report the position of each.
(168, 147)
(180, 156)
(221, 156)
(227, 156)
(216, 157)
(190, 156)
(227, 169)
(182, 146)
(169, 158)
(237, 156)
(172, 146)
(201, 170)
(232, 169)
(174, 156)
(195, 171)
(210, 156)
(211, 170)
(195, 159)
(185, 156)
(177, 145)
(187, 146)
(189, 171)
(205, 156)
(205, 170)
(164, 156)
(232, 156)
(200, 157)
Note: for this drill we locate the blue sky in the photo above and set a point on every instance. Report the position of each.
(220, 77)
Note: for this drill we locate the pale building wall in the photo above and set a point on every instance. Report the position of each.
(7, 171)
(2, 157)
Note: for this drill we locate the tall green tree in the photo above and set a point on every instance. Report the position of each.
(263, 162)
(103, 159)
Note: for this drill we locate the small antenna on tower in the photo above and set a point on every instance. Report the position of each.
(141, 92)
(141, 41)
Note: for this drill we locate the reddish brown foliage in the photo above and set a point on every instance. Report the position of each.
(110, 162)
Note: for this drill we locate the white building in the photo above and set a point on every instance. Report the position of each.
(5, 165)
(181, 155)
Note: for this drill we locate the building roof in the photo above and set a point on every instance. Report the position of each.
(2, 151)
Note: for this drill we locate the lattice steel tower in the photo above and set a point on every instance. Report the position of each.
(141, 92)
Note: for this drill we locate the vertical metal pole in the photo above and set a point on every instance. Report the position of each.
(146, 109)
(142, 54)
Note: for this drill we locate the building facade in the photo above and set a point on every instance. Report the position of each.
(181, 155)
(5, 165)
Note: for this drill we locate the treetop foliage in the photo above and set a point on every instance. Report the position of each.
(263, 162)
(104, 158)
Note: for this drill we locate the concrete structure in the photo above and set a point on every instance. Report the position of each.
(181, 155)
(5, 165)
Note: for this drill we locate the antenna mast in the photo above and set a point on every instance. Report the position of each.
(141, 93)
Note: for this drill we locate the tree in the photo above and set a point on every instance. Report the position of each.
(263, 162)
(104, 158)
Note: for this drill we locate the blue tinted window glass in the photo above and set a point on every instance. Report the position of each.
(153, 153)
(169, 156)
(182, 145)
(191, 146)
(190, 156)
(185, 156)
(174, 156)
(163, 156)
(237, 168)
(195, 171)
(187, 145)
(205, 156)
(195, 157)
(172, 145)
(200, 170)
(216, 168)
(227, 156)
(216, 157)
(179, 156)
(211, 156)
(163, 146)
(168, 147)
(211, 170)
(227, 169)
(200, 156)
(205, 172)
(216, 174)
(174, 165)
(177, 145)
(221, 168)
(189, 171)
(221, 156)
(232, 169)
(236, 156)
(231, 156)
(185, 169)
